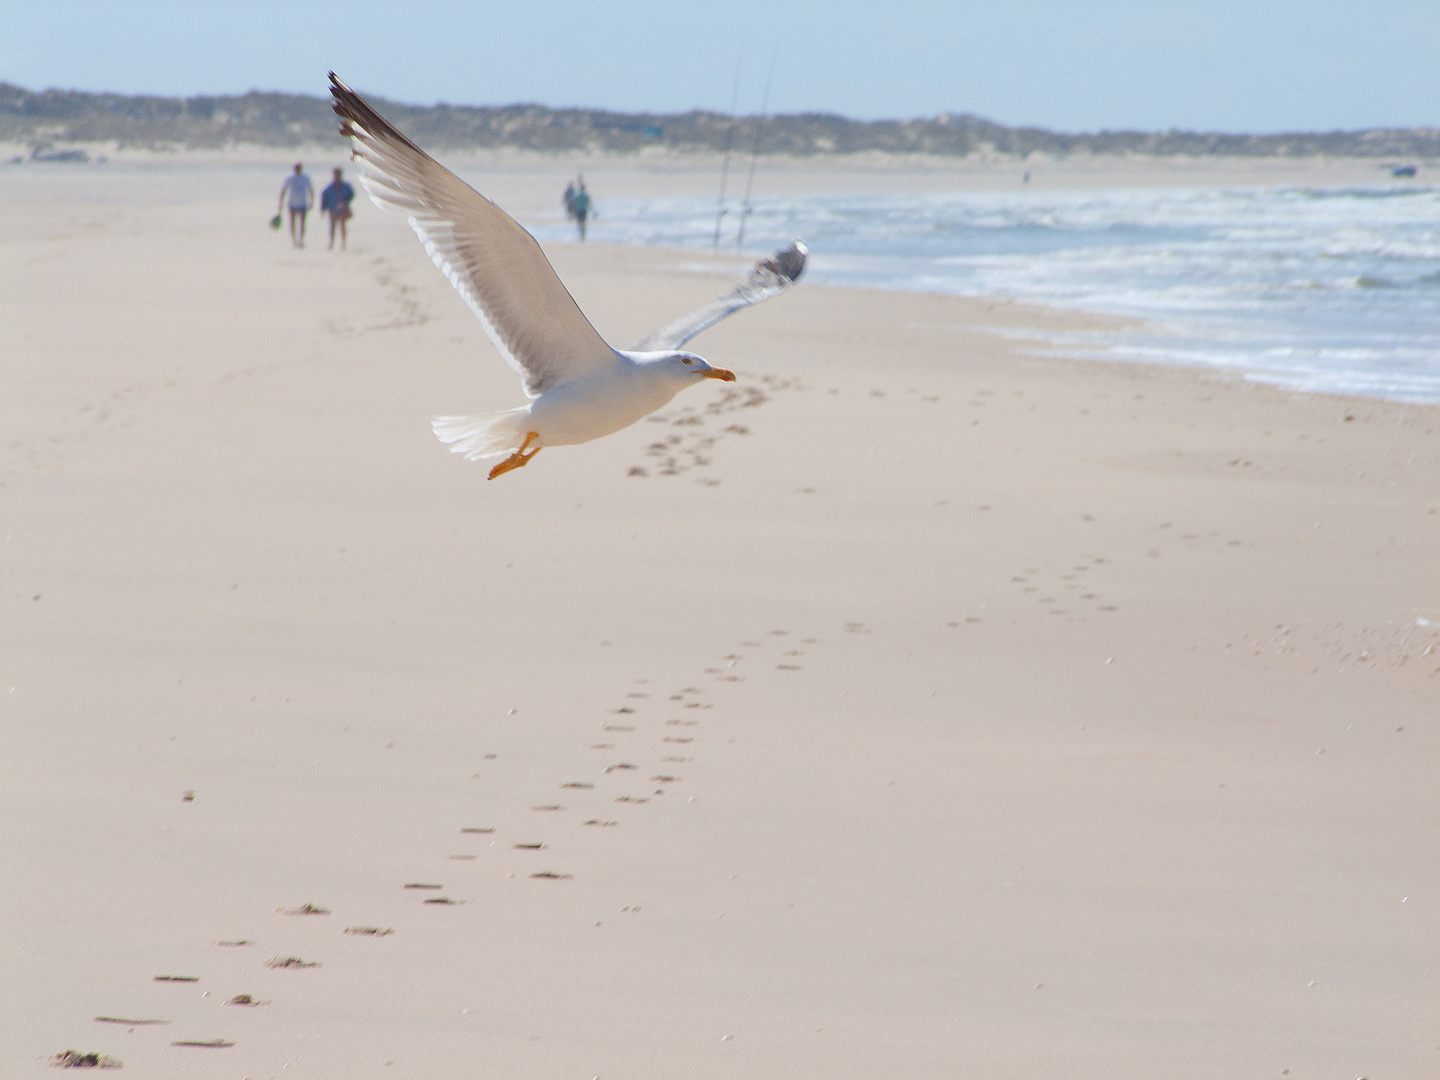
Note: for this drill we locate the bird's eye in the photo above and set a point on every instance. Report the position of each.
(684, 360)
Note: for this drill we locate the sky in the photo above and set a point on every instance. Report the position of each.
(1217, 65)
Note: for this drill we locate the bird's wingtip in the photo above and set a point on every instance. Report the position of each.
(791, 261)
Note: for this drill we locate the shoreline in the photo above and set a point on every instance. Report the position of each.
(523, 183)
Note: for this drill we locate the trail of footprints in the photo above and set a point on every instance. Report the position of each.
(640, 760)
(690, 447)
(1070, 589)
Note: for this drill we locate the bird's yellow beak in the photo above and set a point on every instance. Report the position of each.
(719, 373)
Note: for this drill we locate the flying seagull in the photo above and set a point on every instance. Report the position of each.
(580, 387)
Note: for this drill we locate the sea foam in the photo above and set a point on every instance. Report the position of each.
(1323, 289)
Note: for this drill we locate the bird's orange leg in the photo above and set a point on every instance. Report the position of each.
(519, 458)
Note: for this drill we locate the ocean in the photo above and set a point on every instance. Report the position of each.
(1335, 290)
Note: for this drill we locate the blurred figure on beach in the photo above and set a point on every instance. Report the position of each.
(569, 200)
(335, 200)
(297, 195)
(580, 206)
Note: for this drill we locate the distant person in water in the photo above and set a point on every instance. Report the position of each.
(297, 195)
(581, 203)
(335, 200)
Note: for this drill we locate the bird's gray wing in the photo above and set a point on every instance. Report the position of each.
(495, 265)
(769, 277)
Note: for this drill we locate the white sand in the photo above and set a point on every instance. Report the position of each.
(1045, 718)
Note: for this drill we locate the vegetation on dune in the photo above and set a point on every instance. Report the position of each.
(45, 118)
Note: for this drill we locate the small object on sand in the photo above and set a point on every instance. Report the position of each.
(575, 784)
(177, 978)
(234, 944)
(422, 885)
(188, 795)
(245, 999)
(478, 830)
(290, 962)
(369, 931)
(127, 1023)
(627, 798)
(210, 1044)
(552, 877)
(439, 900)
(597, 821)
(304, 909)
(531, 847)
(547, 808)
(73, 1059)
(622, 765)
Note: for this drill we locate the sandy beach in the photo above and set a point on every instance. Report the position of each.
(913, 707)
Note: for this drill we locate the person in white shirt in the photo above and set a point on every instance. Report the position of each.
(297, 195)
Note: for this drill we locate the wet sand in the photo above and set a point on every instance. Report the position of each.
(912, 707)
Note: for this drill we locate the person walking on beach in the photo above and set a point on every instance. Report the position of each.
(581, 203)
(297, 195)
(335, 200)
(569, 200)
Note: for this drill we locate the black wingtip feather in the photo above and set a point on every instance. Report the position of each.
(352, 108)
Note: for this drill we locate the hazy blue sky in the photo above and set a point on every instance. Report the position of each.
(1233, 65)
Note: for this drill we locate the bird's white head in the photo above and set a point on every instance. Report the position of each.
(688, 367)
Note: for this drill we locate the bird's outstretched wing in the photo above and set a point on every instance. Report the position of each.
(495, 265)
(769, 277)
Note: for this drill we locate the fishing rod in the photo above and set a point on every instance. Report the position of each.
(720, 210)
(755, 150)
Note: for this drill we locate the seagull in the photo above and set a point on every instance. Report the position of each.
(580, 387)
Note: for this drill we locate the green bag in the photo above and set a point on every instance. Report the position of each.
(275, 222)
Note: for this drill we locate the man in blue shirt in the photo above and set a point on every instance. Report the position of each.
(297, 195)
(335, 200)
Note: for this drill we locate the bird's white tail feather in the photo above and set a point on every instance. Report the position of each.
(487, 435)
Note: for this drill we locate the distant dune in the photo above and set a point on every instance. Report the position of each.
(50, 117)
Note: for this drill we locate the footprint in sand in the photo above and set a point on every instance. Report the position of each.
(73, 1059)
(304, 909)
(285, 962)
